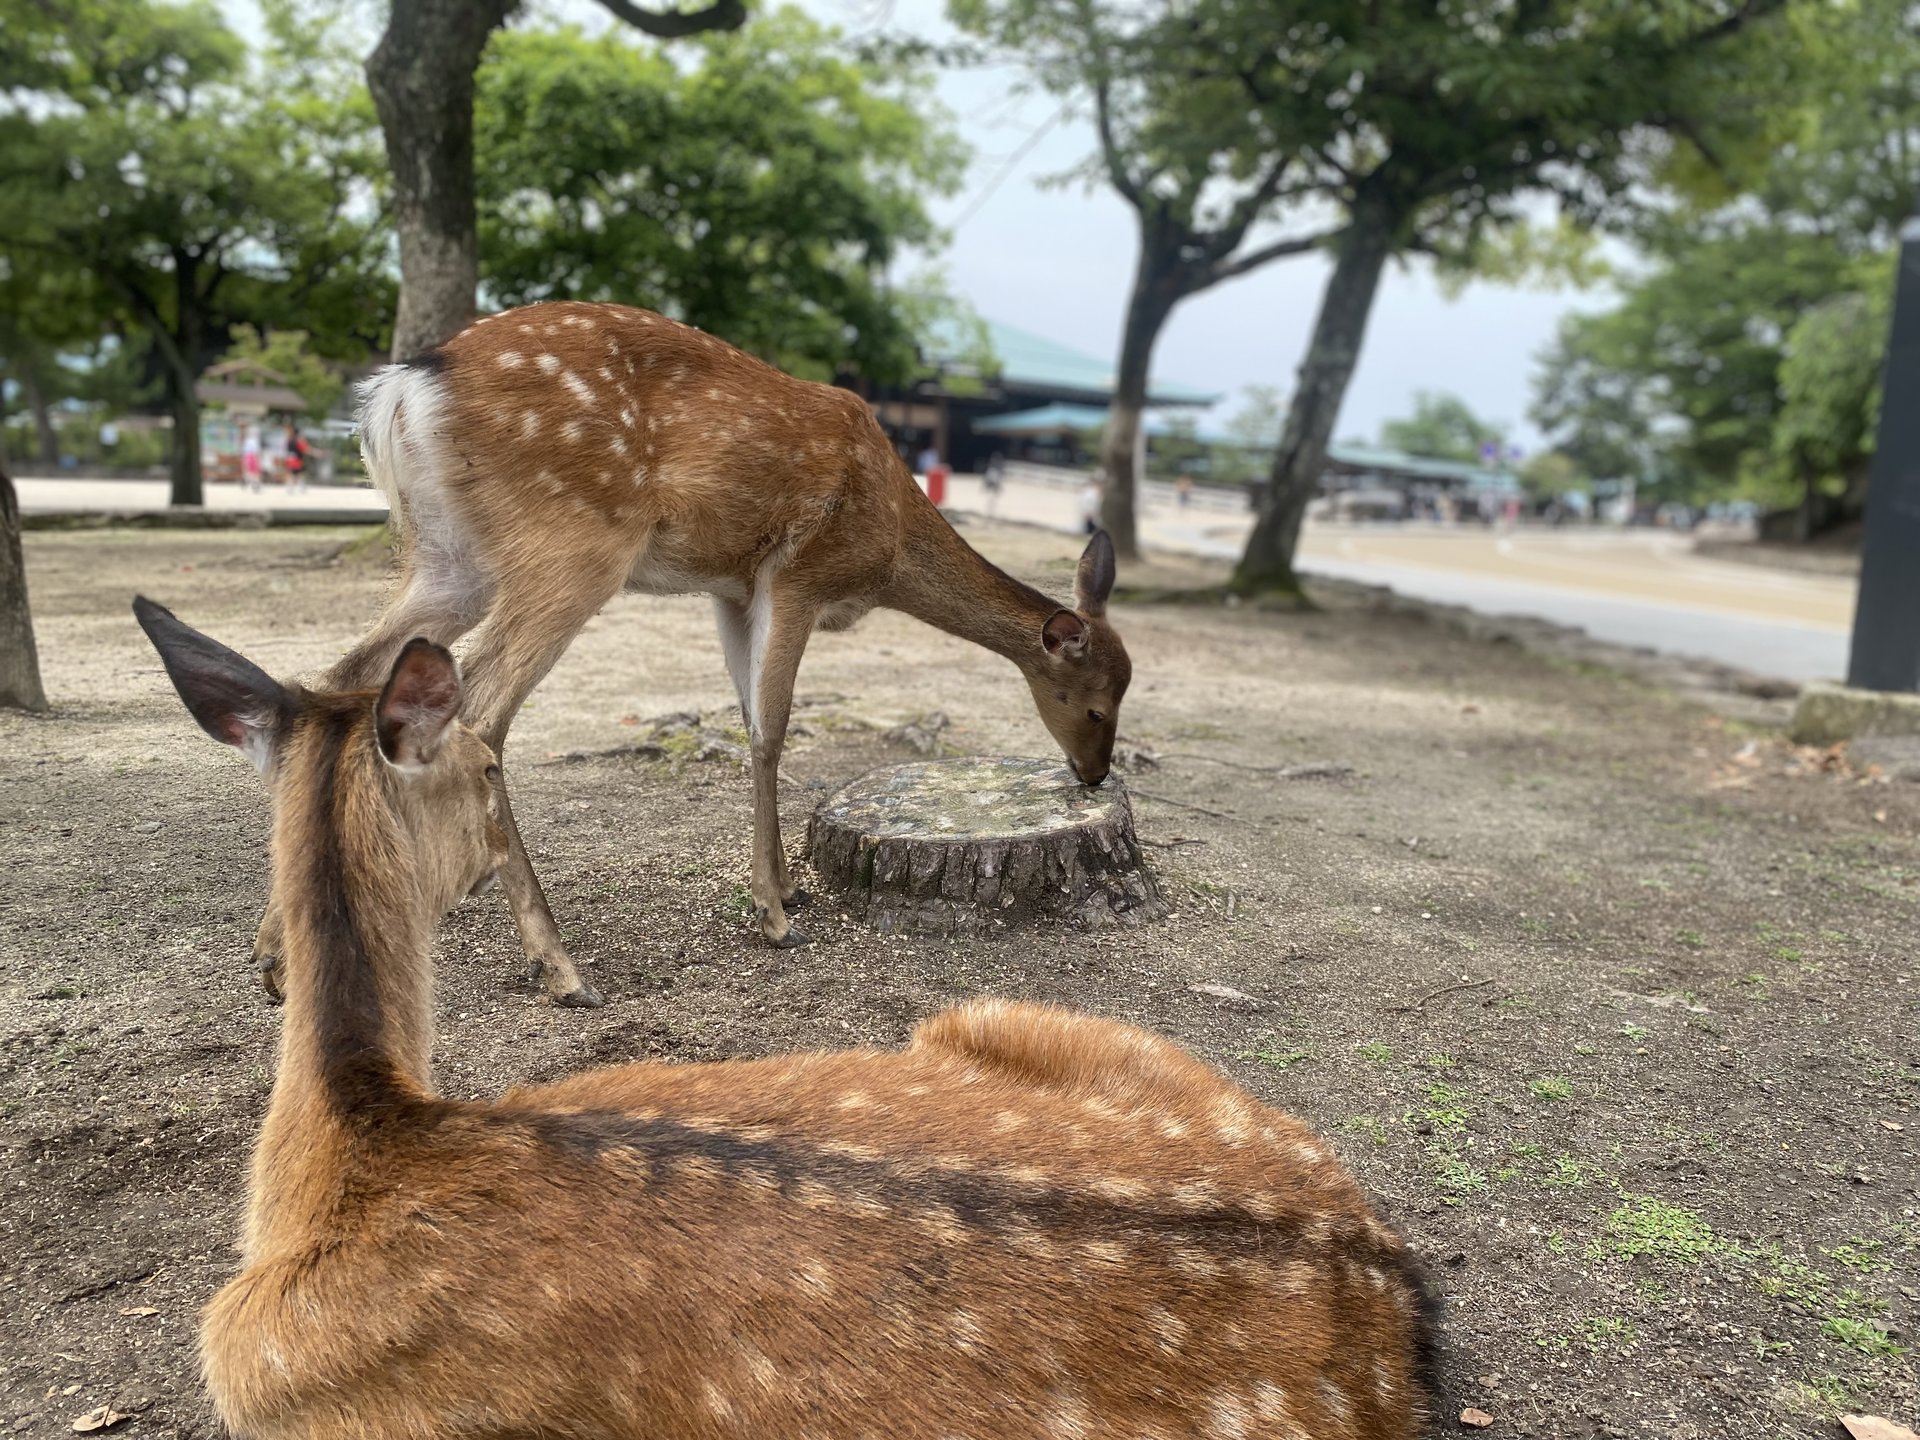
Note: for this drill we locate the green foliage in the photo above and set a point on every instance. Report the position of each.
(1830, 385)
(1442, 427)
(1646, 1225)
(287, 353)
(760, 191)
(1547, 473)
(1255, 428)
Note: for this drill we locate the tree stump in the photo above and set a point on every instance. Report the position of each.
(980, 845)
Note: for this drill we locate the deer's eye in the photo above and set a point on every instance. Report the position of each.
(493, 774)
(1095, 716)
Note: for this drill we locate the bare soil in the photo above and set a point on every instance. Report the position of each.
(1613, 998)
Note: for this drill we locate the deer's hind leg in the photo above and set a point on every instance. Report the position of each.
(533, 620)
(780, 620)
(736, 625)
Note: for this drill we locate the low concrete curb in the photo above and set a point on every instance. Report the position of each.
(1829, 713)
(186, 518)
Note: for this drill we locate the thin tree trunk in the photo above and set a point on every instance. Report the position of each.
(45, 435)
(1155, 293)
(421, 77)
(1266, 566)
(20, 687)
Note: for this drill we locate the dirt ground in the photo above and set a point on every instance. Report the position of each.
(1613, 999)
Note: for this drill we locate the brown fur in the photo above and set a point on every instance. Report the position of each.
(546, 458)
(1030, 1224)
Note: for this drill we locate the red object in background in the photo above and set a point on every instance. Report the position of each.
(937, 484)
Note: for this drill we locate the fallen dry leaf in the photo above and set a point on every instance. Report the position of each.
(1893, 1125)
(1872, 1427)
(71, 1390)
(140, 1310)
(98, 1419)
(1475, 1419)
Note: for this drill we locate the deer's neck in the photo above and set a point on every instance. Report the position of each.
(947, 583)
(357, 1031)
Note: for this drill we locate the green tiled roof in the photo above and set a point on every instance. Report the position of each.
(1035, 362)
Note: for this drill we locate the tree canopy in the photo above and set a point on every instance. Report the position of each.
(759, 189)
(1442, 427)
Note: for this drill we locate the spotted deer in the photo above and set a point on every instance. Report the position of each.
(1029, 1224)
(547, 458)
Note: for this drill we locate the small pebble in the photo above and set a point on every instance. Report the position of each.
(148, 827)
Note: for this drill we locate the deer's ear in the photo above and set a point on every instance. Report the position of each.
(235, 701)
(421, 700)
(1065, 633)
(1093, 581)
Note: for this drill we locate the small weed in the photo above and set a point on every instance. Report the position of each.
(1566, 1171)
(1609, 1332)
(1551, 1087)
(1822, 1394)
(1763, 1347)
(1862, 1335)
(1692, 939)
(1556, 1242)
(1375, 1052)
(1633, 1031)
(690, 870)
(1653, 1293)
(1526, 1152)
(1446, 1106)
(740, 902)
(1441, 1062)
(1279, 1059)
(1647, 1225)
(1583, 1048)
(1863, 1256)
(1787, 952)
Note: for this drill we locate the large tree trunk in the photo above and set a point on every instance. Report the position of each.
(20, 687)
(421, 76)
(47, 437)
(1266, 566)
(1155, 293)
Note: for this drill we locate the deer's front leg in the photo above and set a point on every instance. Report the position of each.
(787, 623)
(269, 945)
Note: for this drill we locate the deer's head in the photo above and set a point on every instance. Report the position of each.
(435, 775)
(1082, 673)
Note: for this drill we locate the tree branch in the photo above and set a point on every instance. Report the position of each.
(672, 24)
(1109, 150)
(1254, 259)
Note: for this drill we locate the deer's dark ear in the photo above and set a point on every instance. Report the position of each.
(1093, 581)
(421, 700)
(1065, 633)
(235, 701)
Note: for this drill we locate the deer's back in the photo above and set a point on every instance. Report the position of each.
(946, 1241)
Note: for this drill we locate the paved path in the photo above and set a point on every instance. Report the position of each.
(1631, 587)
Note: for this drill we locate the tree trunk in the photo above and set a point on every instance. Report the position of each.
(981, 845)
(1267, 564)
(20, 687)
(1155, 293)
(47, 437)
(421, 76)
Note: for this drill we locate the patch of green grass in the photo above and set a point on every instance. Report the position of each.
(1786, 952)
(1441, 1062)
(1646, 1225)
(1822, 1395)
(1456, 1177)
(1446, 1107)
(1584, 1048)
(1375, 1052)
(1862, 1335)
(1371, 1126)
(1566, 1172)
(1633, 1031)
(1864, 1256)
(740, 901)
(1653, 1293)
(1551, 1087)
(1763, 1347)
(1692, 939)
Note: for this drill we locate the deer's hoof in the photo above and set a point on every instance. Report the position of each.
(798, 900)
(270, 978)
(582, 997)
(792, 940)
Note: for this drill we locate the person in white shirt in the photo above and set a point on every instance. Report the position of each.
(1090, 503)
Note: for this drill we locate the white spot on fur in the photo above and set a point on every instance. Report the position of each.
(1228, 1417)
(572, 431)
(965, 1328)
(549, 363)
(529, 425)
(1168, 1328)
(1336, 1401)
(626, 416)
(510, 359)
(582, 391)
(619, 446)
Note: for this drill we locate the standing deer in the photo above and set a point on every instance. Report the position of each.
(544, 459)
(1028, 1225)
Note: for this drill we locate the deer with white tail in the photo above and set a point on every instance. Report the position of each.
(547, 458)
(1027, 1225)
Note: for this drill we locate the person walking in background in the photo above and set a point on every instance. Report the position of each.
(992, 478)
(929, 458)
(1183, 490)
(297, 455)
(250, 458)
(1090, 503)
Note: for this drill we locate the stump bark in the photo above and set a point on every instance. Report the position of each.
(982, 844)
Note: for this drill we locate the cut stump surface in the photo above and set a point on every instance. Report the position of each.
(980, 844)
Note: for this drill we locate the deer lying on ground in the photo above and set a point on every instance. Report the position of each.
(545, 459)
(1030, 1223)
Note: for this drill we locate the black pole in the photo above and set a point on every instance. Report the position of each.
(1886, 621)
